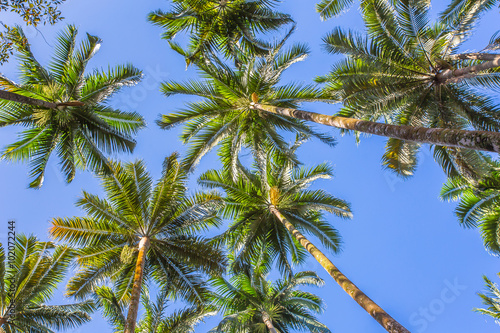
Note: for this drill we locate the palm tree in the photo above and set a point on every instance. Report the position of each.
(64, 108)
(478, 206)
(225, 115)
(409, 73)
(29, 275)
(141, 231)
(491, 298)
(154, 319)
(272, 208)
(250, 303)
(228, 26)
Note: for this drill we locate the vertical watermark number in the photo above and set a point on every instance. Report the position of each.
(11, 257)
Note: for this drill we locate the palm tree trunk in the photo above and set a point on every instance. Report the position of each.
(382, 317)
(10, 96)
(456, 75)
(474, 56)
(476, 140)
(136, 289)
(267, 320)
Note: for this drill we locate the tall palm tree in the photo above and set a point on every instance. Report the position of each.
(141, 231)
(478, 204)
(228, 26)
(272, 208)
(250, 303)
(409, 72)
(225, 115)
(29, 275)
(64, 108)
(491, 298)
(154, 319)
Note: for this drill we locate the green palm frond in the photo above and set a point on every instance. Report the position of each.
(491, 299)
(330, 8)
(478, 203)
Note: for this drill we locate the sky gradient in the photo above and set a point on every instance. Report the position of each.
(404, 247)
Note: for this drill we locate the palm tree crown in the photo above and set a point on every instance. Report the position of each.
(226, 116)
(141, 231)
(78, 132)
(407, 71)
(226, 25)
(154, 319)
(276, 182)
(250, 303)
(29, 277)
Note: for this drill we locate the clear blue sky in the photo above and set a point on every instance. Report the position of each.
(404, 247)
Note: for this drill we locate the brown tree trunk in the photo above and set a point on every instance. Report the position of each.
(269, 323)
(10, 96)
(456, 75)
(476, 140)
(382, 317)
(474, 56)
(136, 288)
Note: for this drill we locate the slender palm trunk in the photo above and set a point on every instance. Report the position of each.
(10, 96)
(477, 140)
(456, 75)
(136, 289)
(382, 317)
(269, 323)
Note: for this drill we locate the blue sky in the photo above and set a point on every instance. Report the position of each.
(403, 248)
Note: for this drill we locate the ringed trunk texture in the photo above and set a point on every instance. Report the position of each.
(136, 288)
(476, 140)
(382, 317)
(269, 323)
(10, 96)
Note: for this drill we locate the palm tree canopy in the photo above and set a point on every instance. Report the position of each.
(226, 25)
(478, 204)
(29, 277)
(491, 298)
(80, 135)
(154, 319)
(109, 236)
(225, 116)
(406, 71)
(246, 298)
(277, 181)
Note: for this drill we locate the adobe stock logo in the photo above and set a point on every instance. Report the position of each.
(425, 315)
